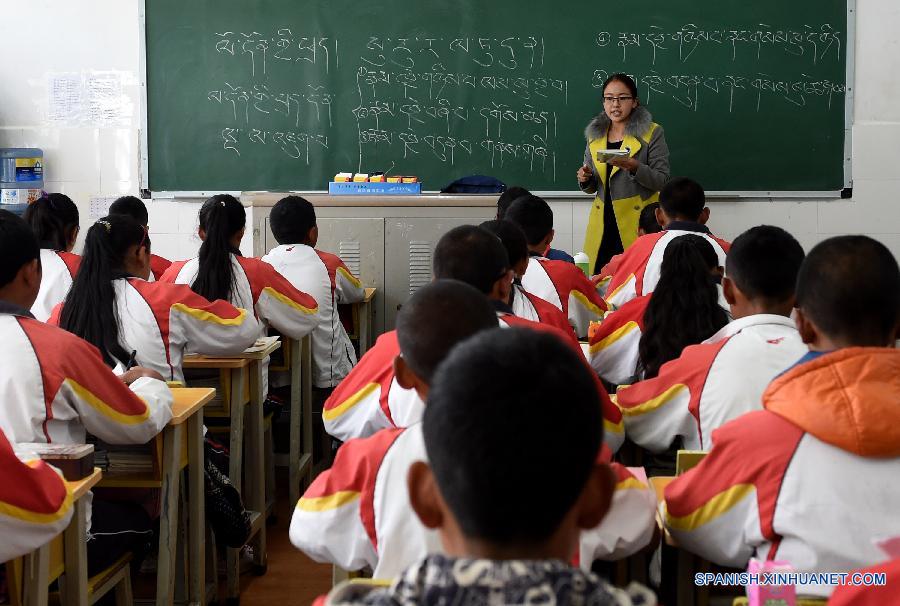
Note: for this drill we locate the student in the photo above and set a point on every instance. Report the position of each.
(647, 224)
(505, 201)
(562, 284)
(35, 503)
(523, 303)
(57, 388)
(633, 342)
(725, 376)
(336, 529)
(682, 210)
(809, 479)
(134, 207)
(324, 277)
(370, 398)
(54, 220)
(220, 272)
(487, 411)
(113, 307)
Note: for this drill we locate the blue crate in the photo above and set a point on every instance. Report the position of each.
(378, 189)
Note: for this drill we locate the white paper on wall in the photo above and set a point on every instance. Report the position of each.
(90, 98)
(100, 207)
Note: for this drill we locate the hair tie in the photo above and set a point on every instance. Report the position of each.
(105, 224)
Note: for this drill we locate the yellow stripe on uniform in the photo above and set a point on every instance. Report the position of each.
(712, 509)
(610, 427)
(582, 298)
(105, 409)
(627, 281)
(343, 407)
(33, 517)
(206, 316)
(614, 336)
(350, 277)
(285, 300)
(332, 501)
(631, 484)
(653, 403)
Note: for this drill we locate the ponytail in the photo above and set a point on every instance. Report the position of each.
(221, 217)
(54, 220)
(684, 309)
(90, 310)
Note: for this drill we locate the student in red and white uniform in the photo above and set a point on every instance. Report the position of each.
(809, 479)
(523, 303)
(370, 399)
(725, 376)
(560, 283)
(682, 210)
(57, 388)
(35, 503)
(335, 521)
(647, 224)
(220, 272)
(114, 308)
(323, 276)
(134, 207)
(54, 220)
(634, 341)
(870, 595)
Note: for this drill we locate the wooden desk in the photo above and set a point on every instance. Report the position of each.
(255, 496)
(301, 447)
(365, 313)
(75, 543)
(186, 404)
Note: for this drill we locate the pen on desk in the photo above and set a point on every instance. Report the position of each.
(130, 364)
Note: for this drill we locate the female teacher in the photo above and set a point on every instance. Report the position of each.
(626, 184)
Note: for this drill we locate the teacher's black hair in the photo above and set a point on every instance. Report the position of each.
(18, 246)
(54, 220)
(90, 310)
(624, 79)
(221, 217)
(849, 287)
(487, 409)
(684, 309)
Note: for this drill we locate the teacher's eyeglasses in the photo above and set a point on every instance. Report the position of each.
(617, 100)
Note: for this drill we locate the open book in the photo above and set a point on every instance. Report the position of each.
(605, 155)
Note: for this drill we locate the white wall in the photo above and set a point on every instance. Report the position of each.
(59, 36)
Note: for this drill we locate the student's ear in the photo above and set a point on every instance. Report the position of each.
(30, 275)
(72, 238)
(313, 236)
(424, 495)
(808, 331)
(728, 290)
(704, 216)
(502, 288)
(201, 233)
(661, 217)
(596, 498)
(521, 267)
(407, 379)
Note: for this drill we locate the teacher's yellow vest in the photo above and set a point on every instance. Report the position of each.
(627, 210)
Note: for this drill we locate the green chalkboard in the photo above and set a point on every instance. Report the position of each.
(283, 94)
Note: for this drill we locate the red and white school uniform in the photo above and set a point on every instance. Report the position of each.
(568, 289)
(638, 271)
(370, 399)
(35, 504)
(58, 271)
(329, 281)
(357, 513)
(158, 266)
(871, 595)
(811, 479)
(56, 387)
(531, 307)
(161, 322)
(260, 288)
(613, 345)
(710, 384)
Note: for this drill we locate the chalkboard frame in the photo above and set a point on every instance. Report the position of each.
(771, 195)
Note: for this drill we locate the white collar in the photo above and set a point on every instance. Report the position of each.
(736, 326)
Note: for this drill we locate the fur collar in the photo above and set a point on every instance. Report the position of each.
(638, 123)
